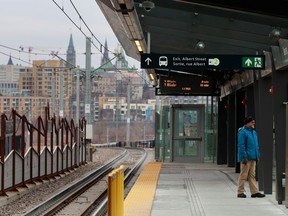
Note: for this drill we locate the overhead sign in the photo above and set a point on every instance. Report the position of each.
(187, 61)
(188, 85)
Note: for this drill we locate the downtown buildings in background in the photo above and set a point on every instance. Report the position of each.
(29, 90)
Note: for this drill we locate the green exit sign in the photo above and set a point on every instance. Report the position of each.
(253, 62)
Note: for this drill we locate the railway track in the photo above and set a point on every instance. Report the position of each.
(88, 196)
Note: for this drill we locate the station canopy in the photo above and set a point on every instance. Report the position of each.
(220, 27)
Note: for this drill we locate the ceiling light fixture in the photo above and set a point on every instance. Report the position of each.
(147, 5)
(138, 45)
(200, 45)
(131, 25)
(276, 32)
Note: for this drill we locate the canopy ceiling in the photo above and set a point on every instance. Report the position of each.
(176, 26)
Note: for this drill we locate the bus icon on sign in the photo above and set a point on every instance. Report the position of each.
(163, 60)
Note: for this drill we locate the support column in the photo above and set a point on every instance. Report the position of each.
(241, 103)
(279, 81)
(264, 128)
(222, 132)
(256, 115)
(128, 144)
(61, 102)
(88, 82)
(231, 138)
(250, 108)
(286, 161)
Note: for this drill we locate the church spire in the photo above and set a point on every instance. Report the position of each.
(10, 62)
(105, 57)
(71, 54)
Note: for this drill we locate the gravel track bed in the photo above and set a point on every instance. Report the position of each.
(19, 203)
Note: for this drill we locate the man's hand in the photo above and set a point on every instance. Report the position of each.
(244, 161)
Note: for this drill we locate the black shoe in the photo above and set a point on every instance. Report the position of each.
(241, 195)
(258, 195)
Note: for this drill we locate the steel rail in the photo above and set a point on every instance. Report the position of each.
(102, 207)
(62, 195)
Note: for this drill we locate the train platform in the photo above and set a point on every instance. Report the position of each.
(207, 189)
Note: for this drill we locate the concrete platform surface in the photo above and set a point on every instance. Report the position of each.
(207, 190)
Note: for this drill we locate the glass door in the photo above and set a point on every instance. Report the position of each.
(187, 133)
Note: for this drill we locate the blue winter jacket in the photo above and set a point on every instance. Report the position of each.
(248, 146)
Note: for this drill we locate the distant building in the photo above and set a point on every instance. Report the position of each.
(31, 107)
(44, 80)
(30, 89)
(138, 111)
(26, 81)
(49, 77)
(9, 75)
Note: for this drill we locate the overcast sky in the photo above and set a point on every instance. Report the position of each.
(41, 26)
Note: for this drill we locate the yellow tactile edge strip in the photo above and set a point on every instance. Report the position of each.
(140, 198)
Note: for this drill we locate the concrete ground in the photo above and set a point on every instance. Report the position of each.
(207, 190)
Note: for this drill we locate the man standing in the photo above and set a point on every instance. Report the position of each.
(248, 155)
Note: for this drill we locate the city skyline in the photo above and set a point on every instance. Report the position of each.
(28, 33)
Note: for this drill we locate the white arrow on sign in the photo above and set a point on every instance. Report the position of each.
(148, 60)
(248, 62)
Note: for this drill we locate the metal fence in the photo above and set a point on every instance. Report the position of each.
(31, 152)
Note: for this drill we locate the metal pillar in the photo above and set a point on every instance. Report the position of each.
(88, 82)
(128, 115)
(279, 83)
(286, 160)
(222, 132)
(61, 110)
(241, 104)
(117, 108)
(53, 92)
(77, 158)
(231, 138)
(77, 96)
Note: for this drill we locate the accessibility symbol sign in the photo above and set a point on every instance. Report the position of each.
(252, 62)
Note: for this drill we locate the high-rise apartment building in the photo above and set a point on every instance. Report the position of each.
(54, 80)
(47, 79)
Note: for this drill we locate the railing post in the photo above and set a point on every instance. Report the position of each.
(2, 151)
(111, 194)
(91, 152)
(121, 189)
(116, 192)
(109, 211)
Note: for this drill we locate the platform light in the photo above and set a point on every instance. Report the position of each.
(276, 32)
(200, 45)
(152, 76)
(147, 5)
(138, 45)
(128, 16)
